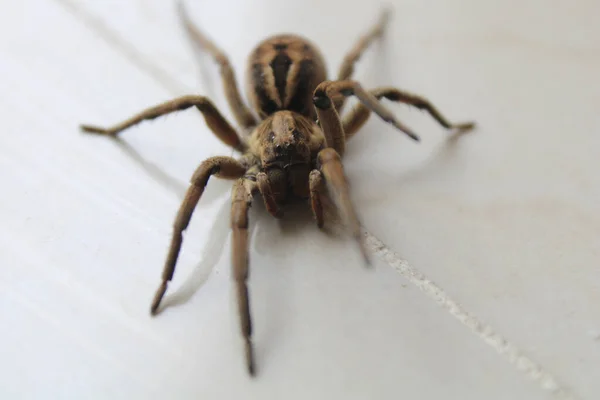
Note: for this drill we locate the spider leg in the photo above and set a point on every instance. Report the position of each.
(266, 191)
(347, 68)
(331, 167)
(215, 121)
(329, 118)
(356, 119)
(241, 112)
(241, 201)
(222, 167)
(315, 182)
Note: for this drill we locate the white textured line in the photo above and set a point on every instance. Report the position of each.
(505, 348)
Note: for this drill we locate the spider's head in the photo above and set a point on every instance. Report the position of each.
(285, 140)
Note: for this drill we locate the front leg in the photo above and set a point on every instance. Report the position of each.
(331, 167)
(222, 167)
(241, 201)
(315, 183)
(357, 118)
(330, 119)
(266, 191)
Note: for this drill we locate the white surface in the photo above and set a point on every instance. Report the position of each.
(500, 227)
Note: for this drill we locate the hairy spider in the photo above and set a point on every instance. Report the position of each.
(293, 150)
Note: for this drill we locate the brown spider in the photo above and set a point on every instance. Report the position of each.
(292, 151)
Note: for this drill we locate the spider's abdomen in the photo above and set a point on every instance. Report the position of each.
(283, 71)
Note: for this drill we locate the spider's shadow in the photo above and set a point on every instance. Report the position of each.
(298, 219)
(215, 190)
(213, 248)
(273, 240)
(211, 254)
(442, 159)
(438, 161)
(161, 177)
(207, 66)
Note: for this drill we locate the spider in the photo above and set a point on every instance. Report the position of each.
(293, 150)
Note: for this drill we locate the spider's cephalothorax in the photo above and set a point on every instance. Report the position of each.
(294, 148)
(286, 144)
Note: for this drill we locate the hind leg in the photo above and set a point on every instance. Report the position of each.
(240, 111)
(347, 68)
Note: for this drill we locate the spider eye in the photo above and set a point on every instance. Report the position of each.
(271, 137)
(296, 133)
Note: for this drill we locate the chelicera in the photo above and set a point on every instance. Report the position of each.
(291, 143)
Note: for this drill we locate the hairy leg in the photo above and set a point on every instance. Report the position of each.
(222, 167)
(315, 182)
(331, 167)
(347, 68)
(266, 191)
(241, 112)
(357, 118)
(241, 201)
(215, 121)
(330, 119)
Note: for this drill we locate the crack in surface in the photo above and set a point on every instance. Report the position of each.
(484, 331)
